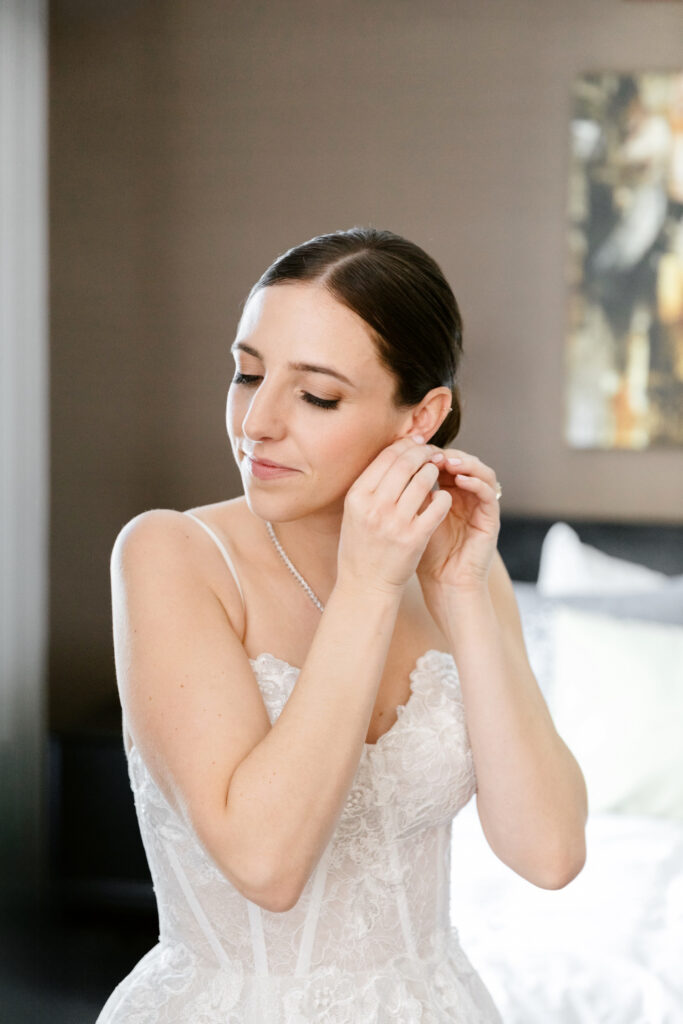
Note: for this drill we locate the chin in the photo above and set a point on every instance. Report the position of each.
(285, 508)
(277, 508)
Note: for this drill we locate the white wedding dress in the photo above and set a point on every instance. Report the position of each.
(370, 940)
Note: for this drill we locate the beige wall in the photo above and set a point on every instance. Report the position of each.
(193, 142)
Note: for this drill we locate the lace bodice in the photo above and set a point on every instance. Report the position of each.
(370, 938)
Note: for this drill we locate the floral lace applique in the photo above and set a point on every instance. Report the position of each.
(338, 956)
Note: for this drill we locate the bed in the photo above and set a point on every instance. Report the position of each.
(602, 612)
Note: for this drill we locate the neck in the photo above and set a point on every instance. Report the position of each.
(312, 544)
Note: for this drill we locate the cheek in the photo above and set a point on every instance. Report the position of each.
(229, 415)
(344, 454)
(235, 409)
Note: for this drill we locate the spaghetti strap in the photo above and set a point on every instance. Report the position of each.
(223, 551)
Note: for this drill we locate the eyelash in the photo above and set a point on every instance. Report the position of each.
(322, 403)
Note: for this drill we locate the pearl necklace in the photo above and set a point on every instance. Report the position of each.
(291, 568)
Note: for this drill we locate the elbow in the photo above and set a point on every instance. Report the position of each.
(243, 857)
(281, 900)
(563, 867)
(284, 889)
(277, 899)
(269, 890)
(268, 881)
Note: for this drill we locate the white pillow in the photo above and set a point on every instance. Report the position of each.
(617, 701)
(568, 566)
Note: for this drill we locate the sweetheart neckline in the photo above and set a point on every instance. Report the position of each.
(411, 694)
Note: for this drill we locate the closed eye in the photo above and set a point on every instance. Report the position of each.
(323, 403)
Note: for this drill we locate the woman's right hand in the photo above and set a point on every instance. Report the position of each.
(384, 532)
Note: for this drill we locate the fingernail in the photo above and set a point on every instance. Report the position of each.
(437, 457)
(419, 438)
(454, 462)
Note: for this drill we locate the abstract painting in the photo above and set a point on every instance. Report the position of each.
(624, 354)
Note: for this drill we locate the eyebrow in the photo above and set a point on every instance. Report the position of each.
(304, 367)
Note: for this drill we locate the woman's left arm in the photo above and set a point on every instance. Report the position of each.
(531, 794)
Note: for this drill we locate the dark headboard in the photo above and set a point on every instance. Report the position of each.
(657, 545)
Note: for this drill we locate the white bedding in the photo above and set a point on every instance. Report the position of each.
(606, 949)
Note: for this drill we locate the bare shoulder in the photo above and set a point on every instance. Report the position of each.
(160, 539)
(151, 542)
(151, 530)
(164, 525)
(234, 525)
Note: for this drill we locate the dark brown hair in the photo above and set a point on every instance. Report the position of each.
(403, 296)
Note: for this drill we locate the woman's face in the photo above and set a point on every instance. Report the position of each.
(326, 427)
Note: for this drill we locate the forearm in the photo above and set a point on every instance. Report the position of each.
(531, 794)
(286, 796)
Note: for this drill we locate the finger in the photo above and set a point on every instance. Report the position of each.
(477, 486)
(370, 478)
(462, 462)
(416, 490)
(399, 474)
(436, 511)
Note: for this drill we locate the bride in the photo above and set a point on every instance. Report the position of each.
(316, 676)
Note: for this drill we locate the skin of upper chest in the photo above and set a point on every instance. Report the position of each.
(282, 620)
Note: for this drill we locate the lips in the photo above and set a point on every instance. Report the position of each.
(267, 462)
(266, 469)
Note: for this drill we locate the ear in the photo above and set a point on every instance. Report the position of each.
(427, 417)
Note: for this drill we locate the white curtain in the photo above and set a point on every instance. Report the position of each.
(24, 493)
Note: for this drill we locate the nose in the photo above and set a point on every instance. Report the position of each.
(261, 421)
